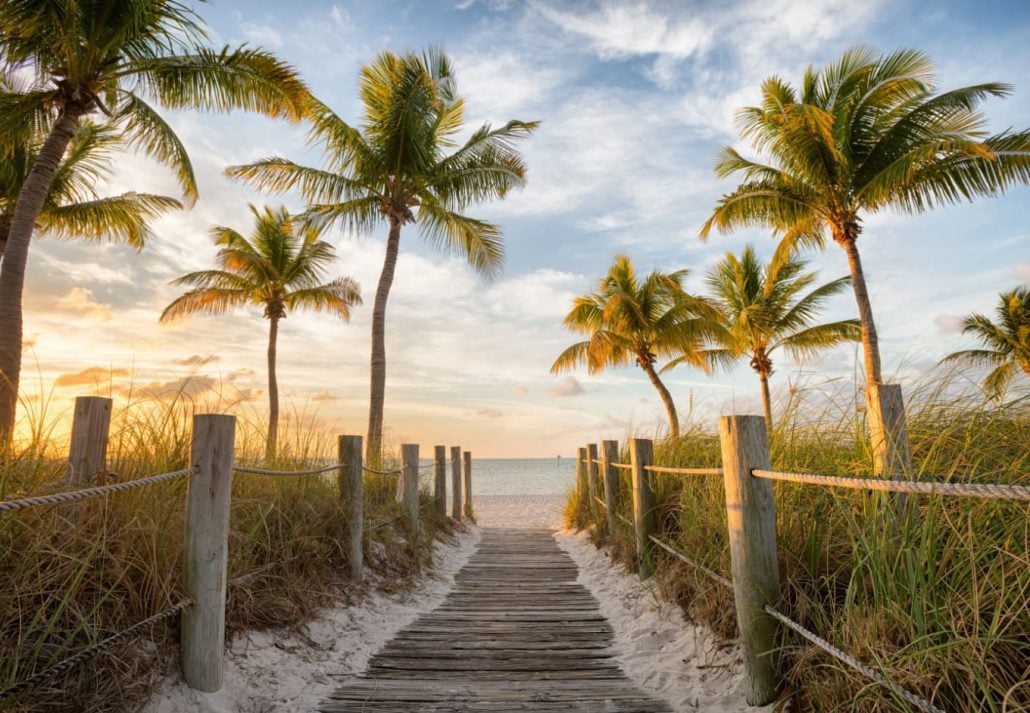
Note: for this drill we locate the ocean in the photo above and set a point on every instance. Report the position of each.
(519, 476)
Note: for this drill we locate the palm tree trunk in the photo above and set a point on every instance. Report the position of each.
(377, 395)
(16, 254)
(870, 342)
(766, 402)
(272, 443)
(670, 406)
(5, 230)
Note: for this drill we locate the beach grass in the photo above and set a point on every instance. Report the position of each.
(937, 599)
(73, 574)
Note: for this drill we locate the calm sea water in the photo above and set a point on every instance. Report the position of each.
(521, 476)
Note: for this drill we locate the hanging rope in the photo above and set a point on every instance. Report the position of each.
(679, 555)
(264, 471)
(851, 661)
(75, 659)
(974, 490)
(74, 495)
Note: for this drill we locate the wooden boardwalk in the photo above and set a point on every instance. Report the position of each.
(517, 633)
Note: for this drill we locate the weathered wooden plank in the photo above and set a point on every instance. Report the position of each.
(516, 633)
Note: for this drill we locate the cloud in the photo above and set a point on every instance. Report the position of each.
(92, 376)
(489, 413)
(197, 360)
(325, 396)
(1022, 270)
(948, 323)
(520, 390)
(187, 386)
(237, 374)
(566, 386)
(618, 30)
(79, 301)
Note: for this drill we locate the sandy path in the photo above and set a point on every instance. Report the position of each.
(661, 653)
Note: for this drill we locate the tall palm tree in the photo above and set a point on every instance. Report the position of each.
(1006, 342)
(766, 308)
(280, 269)
(106, 56)
(396, 170)
(865, 133)
(639, 320)
(72, 208)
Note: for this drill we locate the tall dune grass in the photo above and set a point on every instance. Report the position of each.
(939, 600)
(72, 574)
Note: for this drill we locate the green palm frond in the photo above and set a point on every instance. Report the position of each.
(478, 241)
(627, 317)
(123, 218)
(280, 267)
(1006, 341)
(222, 80)
(147, 131)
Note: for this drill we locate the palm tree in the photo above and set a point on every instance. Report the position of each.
(766, 307)
(280, 269)
(107, 56)
(640, 320)
(72, 208)
(1006, 342)
(865, 133)
(396, 170)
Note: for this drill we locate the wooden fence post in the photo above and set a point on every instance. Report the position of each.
(352, 486)
(468, 484)
(408, 493)
(593, 482)
(641, 452)
(609, 455)
(206, 555)
(87, 454)
(751, 519)
(885, 411)
(456, 482)
(582, 486)
(440, 480)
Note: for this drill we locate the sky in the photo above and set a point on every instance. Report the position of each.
(634, 100)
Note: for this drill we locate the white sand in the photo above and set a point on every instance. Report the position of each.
(288, 671)
(659, 650)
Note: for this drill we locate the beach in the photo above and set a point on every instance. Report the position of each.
(292, 670)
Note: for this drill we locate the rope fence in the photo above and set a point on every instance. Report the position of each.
(76, 495)
(373, 471)
(682, 471)
(851, 661)
(750, 503)
(700, 567)
(251, 470)
(973, 490)
(89, 652)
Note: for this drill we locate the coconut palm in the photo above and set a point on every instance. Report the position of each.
(1006, 342)
(280, 269)
(639, 320)
(111, 56)
(396, 170)
(865, 133)
(768, 307)
(72, 208)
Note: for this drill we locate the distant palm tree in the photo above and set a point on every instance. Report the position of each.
(396, 170)
(766, 308)
(864, 134)
(639, 320)
(280, 269)
(1007, 341)
(106, 56)
(72, 208)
